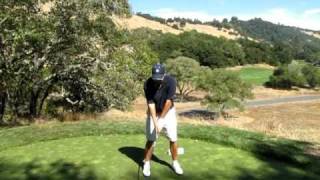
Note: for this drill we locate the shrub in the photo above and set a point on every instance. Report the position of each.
(225, 90)
(312, 75)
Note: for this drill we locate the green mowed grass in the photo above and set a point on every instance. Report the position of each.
(119, 156)
(114, 150)
(255, 76)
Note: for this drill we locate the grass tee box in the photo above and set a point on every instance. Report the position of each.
(114, 150)
(255, 75)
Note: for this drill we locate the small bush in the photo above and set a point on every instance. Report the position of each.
(175, 27)
(287, 76)
(312, 75)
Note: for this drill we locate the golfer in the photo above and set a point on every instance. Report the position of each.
(159, 91)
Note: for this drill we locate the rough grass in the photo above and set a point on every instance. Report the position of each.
(34, 142)
(254, 75)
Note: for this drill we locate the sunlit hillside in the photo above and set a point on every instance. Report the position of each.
(138, 22)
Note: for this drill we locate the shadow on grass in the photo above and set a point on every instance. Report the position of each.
(202, 114)
(136, 154)
(36, 170)
(290, 154)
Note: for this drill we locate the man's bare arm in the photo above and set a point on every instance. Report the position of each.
(166, 108)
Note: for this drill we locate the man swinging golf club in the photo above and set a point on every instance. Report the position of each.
(159, 91)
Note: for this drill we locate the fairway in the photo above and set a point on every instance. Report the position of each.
(254, 75)
(119, 156)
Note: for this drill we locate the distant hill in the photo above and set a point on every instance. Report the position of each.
(303, 44)
(264, 30)
(136, 22)
(312, 33)
(294, 42)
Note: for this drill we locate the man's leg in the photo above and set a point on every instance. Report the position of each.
(147, 157)
(174, 154)
(151, 136)
(171, 130)
(174, 150)
(148, 151)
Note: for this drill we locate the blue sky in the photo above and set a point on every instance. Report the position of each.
(301, 13)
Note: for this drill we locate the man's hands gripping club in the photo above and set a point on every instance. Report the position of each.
(158, 117)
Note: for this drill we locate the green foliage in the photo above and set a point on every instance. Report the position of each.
(117, 7)
(297, 44)
(314, 58)
(207, 50)
(152, 18)
(283, 53)
(294, 74)
(280, 79)
(67, 58)
(219, 52)
(258, 52)
(186, 71)
(312, 75)
(225, 90)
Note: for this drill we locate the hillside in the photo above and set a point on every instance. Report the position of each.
(312, 33)
(274, 33)
(136, 22)
(299, 43)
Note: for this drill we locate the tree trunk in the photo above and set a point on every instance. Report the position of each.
(103, 5)
(2, 106)
(33, 103)
(44, 97)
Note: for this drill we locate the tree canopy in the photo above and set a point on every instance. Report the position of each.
(67, 58)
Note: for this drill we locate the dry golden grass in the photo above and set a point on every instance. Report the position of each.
(285, 120)
(46, 7)
(206, 29)
(299, 121)
(261, 92)
(136, 22)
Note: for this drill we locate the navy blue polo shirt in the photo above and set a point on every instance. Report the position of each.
(159, 94)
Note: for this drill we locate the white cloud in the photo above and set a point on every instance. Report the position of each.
(312, 12)
(309, 19)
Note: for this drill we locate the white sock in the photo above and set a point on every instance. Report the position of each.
(146, 162)
(174, 161)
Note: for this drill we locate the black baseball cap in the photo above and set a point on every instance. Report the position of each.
(158, 71)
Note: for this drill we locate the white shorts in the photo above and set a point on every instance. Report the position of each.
(168, 124)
